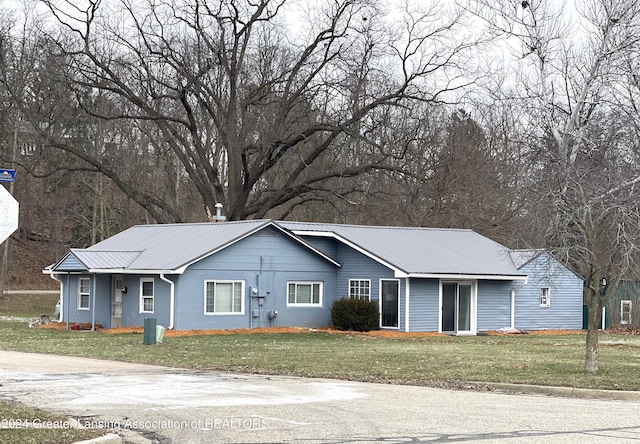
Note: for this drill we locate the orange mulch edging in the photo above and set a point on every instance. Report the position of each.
(383, 333)
(533, 332)
(556, 332)
(120, 330)
(374, 333)
(72, 326)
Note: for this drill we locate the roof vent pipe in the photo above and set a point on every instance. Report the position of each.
(219, 217)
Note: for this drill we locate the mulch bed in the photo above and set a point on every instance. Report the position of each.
(375, 333)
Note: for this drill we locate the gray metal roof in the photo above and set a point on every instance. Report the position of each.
(105, 259)
(166, 247)
(413, 251)
(422, 251)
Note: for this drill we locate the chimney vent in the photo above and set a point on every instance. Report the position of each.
(219, 217)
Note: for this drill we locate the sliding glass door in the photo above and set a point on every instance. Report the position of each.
(457, 308)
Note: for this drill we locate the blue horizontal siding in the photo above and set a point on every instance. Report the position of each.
(131, 315)
(356, 265)
(70, 263)
(266, 262)
(99, 300)
(565, 310)
(326, 245)
(494, 304)
(424, 304)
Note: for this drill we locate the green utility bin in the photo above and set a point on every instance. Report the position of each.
(149, 335)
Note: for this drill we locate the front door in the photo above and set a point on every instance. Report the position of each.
(389, 303)
(457, 308)
(116, 302)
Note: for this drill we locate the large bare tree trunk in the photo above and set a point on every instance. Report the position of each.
(591, 360)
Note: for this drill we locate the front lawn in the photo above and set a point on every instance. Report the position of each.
(20, 424)
(528, 359)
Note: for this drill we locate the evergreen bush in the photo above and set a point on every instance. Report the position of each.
(355, 314)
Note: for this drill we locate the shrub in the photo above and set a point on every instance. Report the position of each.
(355, 314)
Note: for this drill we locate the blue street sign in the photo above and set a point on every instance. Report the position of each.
(7, 175)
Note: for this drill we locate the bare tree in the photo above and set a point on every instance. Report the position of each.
(567, 84)
(261, 114)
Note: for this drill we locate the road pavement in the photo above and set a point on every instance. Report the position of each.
(166, 405)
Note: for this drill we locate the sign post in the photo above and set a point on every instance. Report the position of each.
(8, 214)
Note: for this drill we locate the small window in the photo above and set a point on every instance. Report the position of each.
(84, 294)
(304, 293)
(224, 297)
(146, 295)
(545, 297)
(625, 312)
(360, 289)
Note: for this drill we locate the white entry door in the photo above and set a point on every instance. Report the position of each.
(116, 302)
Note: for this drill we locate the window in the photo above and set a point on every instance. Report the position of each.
(360, 289)
(84, 294)
(625, 312)
(146, 295)
(545, 299)
(224, 297)
(304, 293)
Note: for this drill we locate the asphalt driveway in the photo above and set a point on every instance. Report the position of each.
(186, 406)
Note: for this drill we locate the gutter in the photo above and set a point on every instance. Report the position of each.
(457, 276)
(61, 299)
(172, 299)
(94, 290)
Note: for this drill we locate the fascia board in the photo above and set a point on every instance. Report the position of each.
(111, 271)
(129, 271)
(491, 277)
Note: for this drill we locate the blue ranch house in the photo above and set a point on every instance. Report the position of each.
(265, 273)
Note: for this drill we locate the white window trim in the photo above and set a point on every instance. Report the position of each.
(548, 297)
(360, 280)
(297, 304)
(224, 313)
(622, 304)
(142, 297)
(80, 307)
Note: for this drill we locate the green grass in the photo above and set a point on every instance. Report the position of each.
(437, 361)
(34, 426)
(530, 359)
(27, 305)
(527, 359)
(19, 423)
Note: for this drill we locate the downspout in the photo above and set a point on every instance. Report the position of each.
(94, 285)
(406, 307)
(68, 286)
(513, 303)
(62, 304)
(172, 299)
